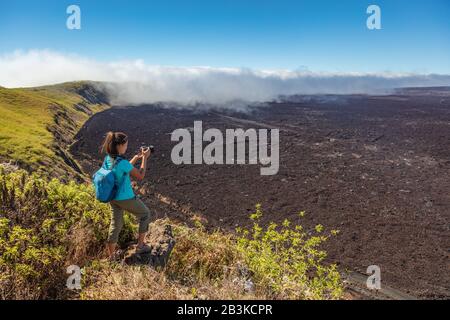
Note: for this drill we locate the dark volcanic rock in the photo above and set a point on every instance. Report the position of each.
(160, 238)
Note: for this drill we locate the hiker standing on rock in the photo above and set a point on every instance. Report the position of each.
(123, 198)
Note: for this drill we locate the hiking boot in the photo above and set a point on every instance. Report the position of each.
(143, 249)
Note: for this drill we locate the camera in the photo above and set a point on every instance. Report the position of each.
(152, 148)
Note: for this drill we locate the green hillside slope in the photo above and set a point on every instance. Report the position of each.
(37, 124)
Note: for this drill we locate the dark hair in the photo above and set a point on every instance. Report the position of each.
(112, 140)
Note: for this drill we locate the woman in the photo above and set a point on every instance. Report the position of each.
(115, 146)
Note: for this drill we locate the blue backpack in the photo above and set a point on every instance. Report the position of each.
(105, 182)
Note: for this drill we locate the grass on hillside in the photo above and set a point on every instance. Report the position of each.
(271, 263)
(30, 117)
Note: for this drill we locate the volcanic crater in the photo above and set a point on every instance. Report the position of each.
(377, 168)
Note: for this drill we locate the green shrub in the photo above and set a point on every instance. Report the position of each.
(44, 227)
(282, 261)
(286, 262)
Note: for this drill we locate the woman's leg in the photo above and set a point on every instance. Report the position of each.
(142, 213)
(115, 227)
(144, 220)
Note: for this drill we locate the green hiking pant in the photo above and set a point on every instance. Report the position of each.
(134, 206)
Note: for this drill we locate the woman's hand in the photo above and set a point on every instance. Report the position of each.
(139, 174)
(146, 152)
(136, 158)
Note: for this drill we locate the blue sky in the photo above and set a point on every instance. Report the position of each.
(318, 35)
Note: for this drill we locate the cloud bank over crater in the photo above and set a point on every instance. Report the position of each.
(135, 82)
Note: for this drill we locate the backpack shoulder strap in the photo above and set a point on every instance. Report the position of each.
(116, 161)
(104, 162)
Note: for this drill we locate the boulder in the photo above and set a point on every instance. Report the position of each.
(161, 240)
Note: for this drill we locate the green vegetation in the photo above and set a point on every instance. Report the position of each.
(37, 124)
(287, 262)
(44, 227)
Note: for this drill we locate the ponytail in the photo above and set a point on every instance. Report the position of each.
(112, 141)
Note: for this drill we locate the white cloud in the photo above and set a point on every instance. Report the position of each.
(136, 82)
